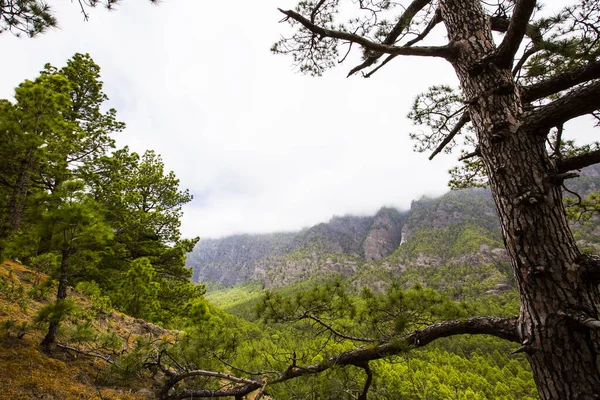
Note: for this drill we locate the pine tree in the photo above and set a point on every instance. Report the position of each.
(77, 225)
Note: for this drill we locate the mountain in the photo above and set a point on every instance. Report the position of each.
(458, 228)
(346, 244)
(238, 258)
(231, 260)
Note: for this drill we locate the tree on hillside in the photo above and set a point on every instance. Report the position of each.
(32, 17)
(522, 77)
(77, 225)
(92, 130)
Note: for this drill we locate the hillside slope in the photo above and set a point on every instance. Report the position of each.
(28, 373)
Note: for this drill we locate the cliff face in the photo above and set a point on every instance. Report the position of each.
(472, 206)
(384, 236)
(451, 228)
(340, 235)
(231, 260)
(302, 265)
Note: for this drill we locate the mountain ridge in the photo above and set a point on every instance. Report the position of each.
(458, 227)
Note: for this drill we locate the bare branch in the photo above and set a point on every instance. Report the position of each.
(447, 52)
(582, 319)
(528, 53)
(368, 381)
(262, 391)
(436, 20)
(514, 35)
(459, 125)
(85, 353)
(315, 10)
(474, 153)
(387, 60)
(561, 82)
(578, 102)
(403, 23)
(236, 392)
(219, 375)
(504, 328)
(335, 332)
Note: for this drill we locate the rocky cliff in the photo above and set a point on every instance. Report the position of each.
(384, 236)
(231, 260)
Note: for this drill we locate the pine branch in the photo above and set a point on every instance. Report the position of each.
(368, 381)
(504, 328)
(459, 125)
(578, 102)
(403, 23)
(335, 332)
(447, 52)
(517, 29)
(578, 162)
(561, 82)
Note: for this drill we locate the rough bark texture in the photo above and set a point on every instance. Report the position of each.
(563, 353)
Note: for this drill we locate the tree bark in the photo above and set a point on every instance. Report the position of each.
(61, 294)
(563, 353)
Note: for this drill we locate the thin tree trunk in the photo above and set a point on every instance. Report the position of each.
(562, 353)
(50, 338)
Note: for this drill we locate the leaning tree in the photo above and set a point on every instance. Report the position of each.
(523, 74)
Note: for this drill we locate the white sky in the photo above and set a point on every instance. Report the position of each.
(261, 147)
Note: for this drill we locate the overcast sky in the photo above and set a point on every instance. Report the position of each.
(261, 147)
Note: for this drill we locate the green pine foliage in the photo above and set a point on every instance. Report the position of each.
(83, 212)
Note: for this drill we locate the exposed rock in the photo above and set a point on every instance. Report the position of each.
(458, 228)
(384, 235)
(231, 260)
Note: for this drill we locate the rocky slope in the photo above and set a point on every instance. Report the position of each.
(231, 260)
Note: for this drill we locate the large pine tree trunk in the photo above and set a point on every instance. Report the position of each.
(553, 291)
